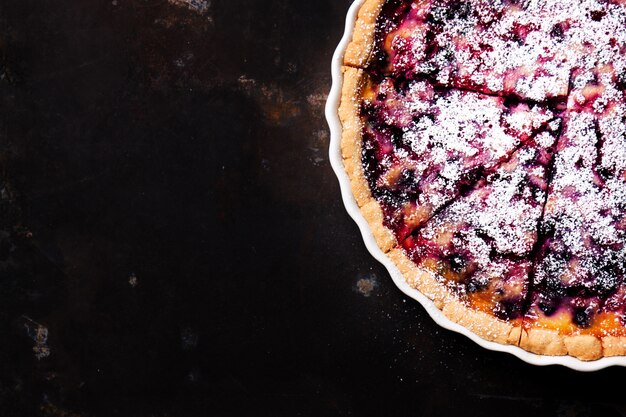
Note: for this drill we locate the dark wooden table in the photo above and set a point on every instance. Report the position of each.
(172, 239)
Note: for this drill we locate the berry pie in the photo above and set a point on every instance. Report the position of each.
(485, 142)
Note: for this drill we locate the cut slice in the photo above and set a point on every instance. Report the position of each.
(576, 304)
(423, 146)
(480, 247)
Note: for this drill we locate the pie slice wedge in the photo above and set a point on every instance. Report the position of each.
(423, 146)
(578, 294)
(479, 248)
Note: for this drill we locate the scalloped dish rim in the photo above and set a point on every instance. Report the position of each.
(335, 158)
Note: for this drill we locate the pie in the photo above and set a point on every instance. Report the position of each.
(485, 143)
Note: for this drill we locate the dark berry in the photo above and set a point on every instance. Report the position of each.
(581, 318)
(402, 84)
(458, 9)
(457, 262)
(606, 285)
(557, 31)
(470, 179)
(597, 15)
(536, 193)
(579, 163)
(607, 275)
(434, 19)
(547, 306)
(368, 109)
(390, 197)
(508, 310)
(517, 38)
(473, 287)
(621, 81)
(555, 286)
(408, 181)
(558, 103)
(605, 173)
(511, 102)
(547, 229)
(481, 233)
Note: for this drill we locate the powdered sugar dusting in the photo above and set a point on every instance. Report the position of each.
(461, 125)
(585, 255)
(479, 246)
(529, 49)
(432, 141)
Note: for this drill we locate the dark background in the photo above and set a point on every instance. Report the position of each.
(172, 239)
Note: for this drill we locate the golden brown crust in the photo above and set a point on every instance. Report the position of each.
(582, 346)
(351, 134)
(360, 47)
(614, 345)
(543, 342)
(420, 279)
(585, 347)
(351, 141)
(480, 323)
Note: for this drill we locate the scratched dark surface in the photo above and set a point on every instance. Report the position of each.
(172, 240)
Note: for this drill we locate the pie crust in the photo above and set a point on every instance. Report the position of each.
(598, 331)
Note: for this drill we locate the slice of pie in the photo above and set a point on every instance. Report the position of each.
(423, 146)
(486, 146)
(577, 287)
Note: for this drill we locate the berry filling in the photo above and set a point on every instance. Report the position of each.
(527, 49)
(494, 139)
(480, 245)
(578, 276)
(423, 146)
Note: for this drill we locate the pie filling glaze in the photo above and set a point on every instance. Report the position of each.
(491, 138)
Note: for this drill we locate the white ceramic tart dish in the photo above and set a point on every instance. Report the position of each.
(481, 149)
